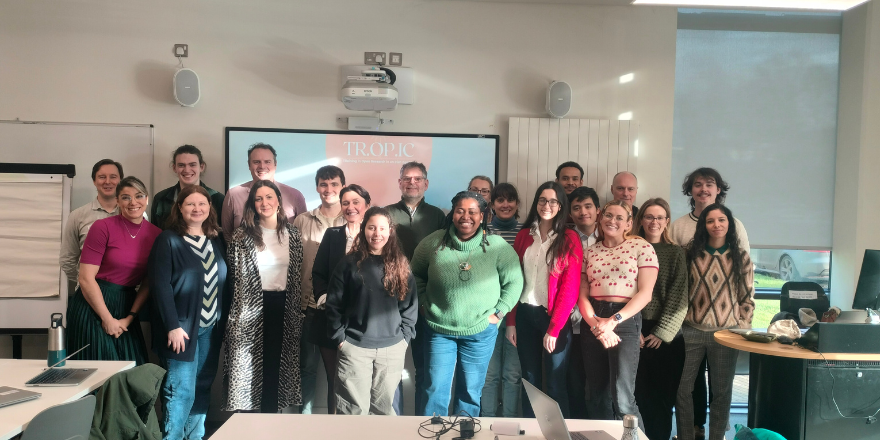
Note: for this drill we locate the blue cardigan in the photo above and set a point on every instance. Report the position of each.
(177, 283)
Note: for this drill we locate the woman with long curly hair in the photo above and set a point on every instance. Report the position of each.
(720, 296)
(372, 309)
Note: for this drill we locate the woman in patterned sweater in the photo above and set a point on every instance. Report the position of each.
(662, 356)
(618, 280)
(721, 295)
(265, 321)
(188, 286)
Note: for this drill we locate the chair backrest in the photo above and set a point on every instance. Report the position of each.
(820, 304)
(67, 421)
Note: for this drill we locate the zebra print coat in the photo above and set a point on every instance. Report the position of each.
(243, 368)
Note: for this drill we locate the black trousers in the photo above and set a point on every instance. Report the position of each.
(701, 402)
(657, 383)
(577, 379)
(532, 323)
(273, 333)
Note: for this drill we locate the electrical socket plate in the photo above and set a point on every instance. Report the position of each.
(181, 50)
(395, 59)
(375, 58)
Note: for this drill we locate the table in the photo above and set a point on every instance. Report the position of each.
(15, 372)
(338, 427)
(790, 389)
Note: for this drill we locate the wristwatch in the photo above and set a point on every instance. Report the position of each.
(499, 315)
(618, 317)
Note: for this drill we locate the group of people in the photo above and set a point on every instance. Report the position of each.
(608, 309)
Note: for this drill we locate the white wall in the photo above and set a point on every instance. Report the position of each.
(272, 63)
(856, 204)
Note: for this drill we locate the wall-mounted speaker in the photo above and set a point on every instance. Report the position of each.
(186, 87)
(558, 99)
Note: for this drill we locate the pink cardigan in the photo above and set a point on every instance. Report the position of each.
(563, 288)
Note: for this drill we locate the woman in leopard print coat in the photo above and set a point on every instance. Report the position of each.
(265, 321)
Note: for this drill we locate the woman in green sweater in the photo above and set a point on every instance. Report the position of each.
(662, 356)
(720, 296)
(467, 280)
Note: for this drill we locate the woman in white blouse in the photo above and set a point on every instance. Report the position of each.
(265, 321)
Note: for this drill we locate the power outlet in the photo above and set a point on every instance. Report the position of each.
(375, 58)
(395, 59)
(181, 50)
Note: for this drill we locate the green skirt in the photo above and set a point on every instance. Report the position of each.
(84, 327)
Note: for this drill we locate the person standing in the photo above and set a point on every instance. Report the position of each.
(329, 181)
(482, 185)
(570, 175)
(720, 296)
(188, 164)
(371, 310)
(106, 174)
(504, 368)
(338, 241)
(467, 280)
(262, 161)
(265, 321)
(705, 187)
(619, 272)
(551, 256)
(103, 311)
(661, 359)
(584, 202)
(414, 219)
(188, 285)
(624, 188)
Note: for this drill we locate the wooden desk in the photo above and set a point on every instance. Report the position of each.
(790, 390)
(15, 372)
(322, 426)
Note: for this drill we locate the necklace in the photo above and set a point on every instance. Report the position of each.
(129, 232)
(464, 267)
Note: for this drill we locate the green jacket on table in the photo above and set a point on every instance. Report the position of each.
(124, 410)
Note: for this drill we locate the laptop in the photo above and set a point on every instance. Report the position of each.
(11, 396)
(551, 421)
(61, 377)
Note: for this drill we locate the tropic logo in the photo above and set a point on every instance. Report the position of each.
(374, 161)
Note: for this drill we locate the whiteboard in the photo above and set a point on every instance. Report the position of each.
(80, 144)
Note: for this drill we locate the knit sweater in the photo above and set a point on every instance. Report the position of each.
(507, 229)
(714, 301)
(457, 307)
(413, 227)
(563, 287)
(360, 310)
(669, 302)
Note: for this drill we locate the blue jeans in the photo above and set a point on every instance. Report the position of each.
(504, 373)
(611, 373)
(186, 389)
(308, 364)
(464, 357)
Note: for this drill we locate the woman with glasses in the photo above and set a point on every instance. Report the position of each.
(481, 185)
(504, 368)
(720, 296)
(265, 321)
(467, 280)
(618, 278)
(103, 312)
(551, 256)
(662, 356)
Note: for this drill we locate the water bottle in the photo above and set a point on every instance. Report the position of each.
(630, 427)
(57, 345)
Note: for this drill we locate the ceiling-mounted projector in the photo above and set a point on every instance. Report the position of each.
(373, 90)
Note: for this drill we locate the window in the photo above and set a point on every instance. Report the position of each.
(756, 99)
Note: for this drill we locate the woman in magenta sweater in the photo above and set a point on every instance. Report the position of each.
(551, 256)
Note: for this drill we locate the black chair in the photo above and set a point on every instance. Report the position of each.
(820, 304)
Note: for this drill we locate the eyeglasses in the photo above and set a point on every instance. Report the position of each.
(412, 179)
(553, 202)
(138, 197)
(484, 192)
(609, 216)
(651, 218)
